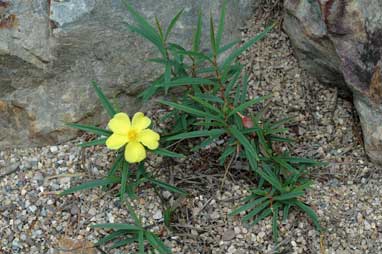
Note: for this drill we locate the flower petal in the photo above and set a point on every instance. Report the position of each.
(116, 141)
(135, 152)
(149, 138)
(120, 123)
(140, 121)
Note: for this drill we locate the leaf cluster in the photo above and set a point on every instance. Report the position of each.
(207, 96)
(129, 178)
(214, 106)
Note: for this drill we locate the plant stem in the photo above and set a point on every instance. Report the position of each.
(137, 220)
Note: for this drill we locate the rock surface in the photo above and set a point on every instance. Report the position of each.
(49, 53)
(340, 43)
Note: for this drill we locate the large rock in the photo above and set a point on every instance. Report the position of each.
(51, 50)
(340, 42)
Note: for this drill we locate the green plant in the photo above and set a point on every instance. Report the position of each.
(214, 105)
(130, 175)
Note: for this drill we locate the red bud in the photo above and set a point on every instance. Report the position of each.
(247, 122)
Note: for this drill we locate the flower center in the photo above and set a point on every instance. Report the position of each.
(132, 135)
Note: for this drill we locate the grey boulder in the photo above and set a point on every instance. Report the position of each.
(51, 50)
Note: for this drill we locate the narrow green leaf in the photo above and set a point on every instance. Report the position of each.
(138, 18)
(156, 243)
(212, 36)
(210, 97)
(310, 212)
(195, 134)
(164, 61)
(189, 110)
(285, 165)
(105, 102)
(167, 78)
(125, 172)
(100, 141)
(262, 216)
(250, 130)
(261, 182)
(174, 46)
(237, 96)
(263, 142)
(167, 186)
(286, 212)
(133, 214)
(227, 152)
(116, 165)
(232, 83)
(145, 28)
(126, 241)
(166, 153)
(228, 46)
(262, 192)
(90, 128)
(208, 106)
(172, 24)
(279, 123)
(199, 55)
(289, 195)
(198, 33)
(280, 139)
(244, 91)
(159, 28)
(131, 188)
(117, 226)
(247, 206)
(251, 156)
(91, 184)
(270, 177)
(244, 47)
(220, 31)
(153, 38)
(303, 186)
(190, 81)
(206, 70)
(244, 141)
(184, 121)
(111, 237)
(274, 131)
(255, 211)
(167, 216)
(148, 93)
(209, 124)
(141, 243)
(248, 104)
(275, 227)
(249, 198)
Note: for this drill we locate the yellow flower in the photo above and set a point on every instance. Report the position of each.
(134, 134)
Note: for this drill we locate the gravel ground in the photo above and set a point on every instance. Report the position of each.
(346, 193)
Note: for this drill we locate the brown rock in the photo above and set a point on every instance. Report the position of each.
(340, 43)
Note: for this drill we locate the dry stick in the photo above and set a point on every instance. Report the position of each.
(70, 250)
(226, 171)
(48, 178)
(107, 192)
(322, 247)
(203, 207)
